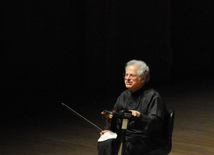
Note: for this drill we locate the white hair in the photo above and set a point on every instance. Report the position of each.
(143, 68)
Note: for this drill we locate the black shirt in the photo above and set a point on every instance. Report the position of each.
(152, 111)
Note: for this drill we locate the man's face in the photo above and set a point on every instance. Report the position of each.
(132, 80)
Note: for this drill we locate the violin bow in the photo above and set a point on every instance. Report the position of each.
(69, 108)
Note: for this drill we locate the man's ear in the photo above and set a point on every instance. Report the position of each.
(143, 79)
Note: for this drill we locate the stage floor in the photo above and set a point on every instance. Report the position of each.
(63, 133)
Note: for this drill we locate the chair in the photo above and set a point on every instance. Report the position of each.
(168, 128)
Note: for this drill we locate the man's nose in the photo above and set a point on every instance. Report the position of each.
(129, 77)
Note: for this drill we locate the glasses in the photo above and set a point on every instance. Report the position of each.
(125, 75)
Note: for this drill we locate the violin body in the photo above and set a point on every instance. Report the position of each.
(114, 119)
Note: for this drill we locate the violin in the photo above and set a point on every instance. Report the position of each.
(122, 114)
(107, 115)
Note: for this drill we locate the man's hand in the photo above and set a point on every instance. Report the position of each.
(104, 131)
(135, 113)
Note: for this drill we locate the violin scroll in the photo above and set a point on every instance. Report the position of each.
(106, 114)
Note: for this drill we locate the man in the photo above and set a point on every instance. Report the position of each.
(146, 132)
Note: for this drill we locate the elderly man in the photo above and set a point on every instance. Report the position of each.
(146, 132)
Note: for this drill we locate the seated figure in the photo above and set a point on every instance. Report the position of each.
(146, 132)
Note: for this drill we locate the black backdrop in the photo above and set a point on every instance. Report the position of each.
(82, 46)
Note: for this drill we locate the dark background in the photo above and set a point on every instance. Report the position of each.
(75, 51)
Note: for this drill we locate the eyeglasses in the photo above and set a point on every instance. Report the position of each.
(125, 75)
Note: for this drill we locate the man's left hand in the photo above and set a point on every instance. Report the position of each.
(135, 113)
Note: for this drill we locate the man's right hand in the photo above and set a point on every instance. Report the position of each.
(104, 131)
